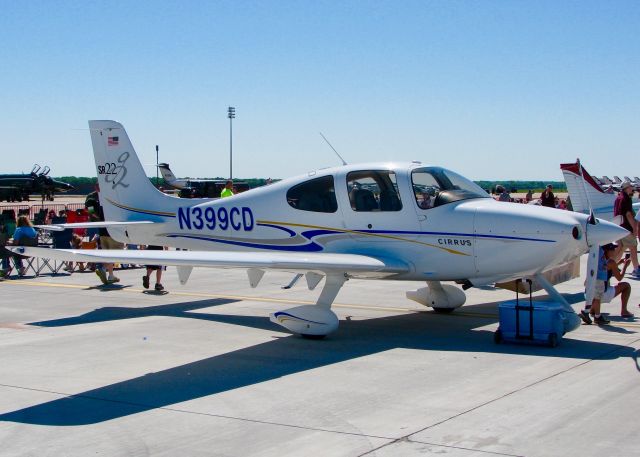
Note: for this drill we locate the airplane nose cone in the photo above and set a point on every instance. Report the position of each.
(604, 232)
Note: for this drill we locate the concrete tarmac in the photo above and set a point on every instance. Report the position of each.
(201, 371)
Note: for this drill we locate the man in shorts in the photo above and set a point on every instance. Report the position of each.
(106, 242)
(157, 268)
(623, 209)
(104, 271)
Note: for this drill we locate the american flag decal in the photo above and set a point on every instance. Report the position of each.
(112, 141)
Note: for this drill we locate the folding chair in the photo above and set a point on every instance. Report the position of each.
(61, 240)
(31, 262)
(51, 265)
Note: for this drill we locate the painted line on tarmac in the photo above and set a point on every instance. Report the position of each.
(291, 302)
(260, 299)
(230, 297)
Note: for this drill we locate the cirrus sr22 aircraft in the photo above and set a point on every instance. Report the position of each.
(394, 221)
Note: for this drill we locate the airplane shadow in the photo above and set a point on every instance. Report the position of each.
(276, 358)
(114, 313)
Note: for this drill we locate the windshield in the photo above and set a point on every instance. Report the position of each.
(435, 186)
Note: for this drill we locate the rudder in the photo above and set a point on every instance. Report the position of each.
(587, 193)
(125, 190)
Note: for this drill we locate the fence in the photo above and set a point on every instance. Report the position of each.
(32, 210)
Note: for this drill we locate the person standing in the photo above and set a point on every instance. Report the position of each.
(547, 198)
(106, 242)
(623, 212)
(228, 189)
(529, 196)
(158, 269)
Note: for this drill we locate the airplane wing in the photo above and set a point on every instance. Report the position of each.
(80, 225)
(290, 261)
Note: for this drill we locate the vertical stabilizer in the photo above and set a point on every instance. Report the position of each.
(125, 190)
(601, 202)
(168, 176)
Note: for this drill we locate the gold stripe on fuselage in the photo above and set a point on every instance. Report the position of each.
(356, 232)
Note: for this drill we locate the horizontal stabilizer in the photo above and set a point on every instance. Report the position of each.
(81, 225)
(291, 261)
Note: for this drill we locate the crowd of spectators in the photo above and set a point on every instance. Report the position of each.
(24, 234)
(546, 198)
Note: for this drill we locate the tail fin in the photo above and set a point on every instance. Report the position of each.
(125, 190)
(589, 191)
(168, 175)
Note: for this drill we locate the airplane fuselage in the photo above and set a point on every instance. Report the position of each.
(474, 237)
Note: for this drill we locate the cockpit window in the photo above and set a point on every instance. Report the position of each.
(317, 195)
(373, 190)
(434, 186)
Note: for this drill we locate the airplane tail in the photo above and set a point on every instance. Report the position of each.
(583, 193)
(167, 174)
(126, 194)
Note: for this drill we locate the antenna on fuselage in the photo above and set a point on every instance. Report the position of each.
(334, 149)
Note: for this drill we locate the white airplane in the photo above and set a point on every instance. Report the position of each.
(586, 195)
(198, 187)
(171, 180)
(366, 221)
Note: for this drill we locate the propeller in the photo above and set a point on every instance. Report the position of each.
(593, 243)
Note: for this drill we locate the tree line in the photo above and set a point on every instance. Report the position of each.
(84, 185)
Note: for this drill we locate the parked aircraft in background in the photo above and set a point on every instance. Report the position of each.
(395, 221)
(197, 188)
(18, 187)
(586, 195)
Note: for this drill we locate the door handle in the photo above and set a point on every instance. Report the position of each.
(422, 217)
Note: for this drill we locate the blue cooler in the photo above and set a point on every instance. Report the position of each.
(540, 323)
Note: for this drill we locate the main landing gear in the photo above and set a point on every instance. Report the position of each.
(313, 321)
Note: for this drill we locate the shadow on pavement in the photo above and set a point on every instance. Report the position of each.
(276, 358)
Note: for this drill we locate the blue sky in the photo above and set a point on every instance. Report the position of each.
(491, 89)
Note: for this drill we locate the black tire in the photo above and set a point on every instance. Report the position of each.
(443, 310)
(553, 340)
(312, 337)
(497, 337)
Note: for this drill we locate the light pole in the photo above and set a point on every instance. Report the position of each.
(231, 114)
(157, 163)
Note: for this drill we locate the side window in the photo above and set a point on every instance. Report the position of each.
(435, 186)
(317, 195)
(426, 188)
(373, 190)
